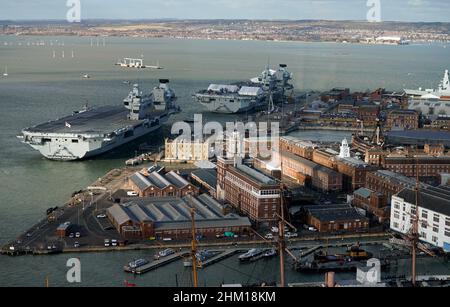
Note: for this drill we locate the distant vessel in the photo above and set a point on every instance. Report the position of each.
(442, 92)
(131, 63)
(5, 74)
(91, 132)
(272, 86)
(86, 76)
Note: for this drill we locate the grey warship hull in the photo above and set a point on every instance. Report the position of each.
(95, 131)
(88, 134)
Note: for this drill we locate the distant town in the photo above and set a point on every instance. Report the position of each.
(303, 30)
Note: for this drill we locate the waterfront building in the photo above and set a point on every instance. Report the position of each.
(402, 120)
(170, 217)
(335, 218)
(158, 184)
(187, 150)
(248, 190)
(441, 122)
(433, 211)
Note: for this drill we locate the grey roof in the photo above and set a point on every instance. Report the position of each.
(335, 214)
(172, 212)
(435, 199)
(209, 176)
(176, 179)
(397, 178)
(158, 180)
(140, 181)
(118, 214)
(258, 176)
(363, 192)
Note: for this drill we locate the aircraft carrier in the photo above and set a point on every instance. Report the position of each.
(94, 131)
(271, 86)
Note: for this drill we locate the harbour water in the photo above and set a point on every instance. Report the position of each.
(40, 87)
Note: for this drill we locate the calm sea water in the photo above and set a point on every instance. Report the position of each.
(41, 88)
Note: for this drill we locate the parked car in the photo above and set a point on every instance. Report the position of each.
(132, 193)
(107, 243)
(71, 235)
(76, 245)
(312, 229)
(269, 236)
(78, 235)
(274, 229)
(291, 235)
(101, 216)
(114, 242)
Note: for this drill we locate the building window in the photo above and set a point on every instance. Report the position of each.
(436, 218)
(435, 239)
(436, 228)
(447, 233)
(424, 214)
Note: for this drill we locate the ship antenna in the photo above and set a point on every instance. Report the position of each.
(193, 246)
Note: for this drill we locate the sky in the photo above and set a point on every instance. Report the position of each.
(391, 10)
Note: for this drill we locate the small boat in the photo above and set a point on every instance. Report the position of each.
(5, 74)
(86, 76)
(201, 256)
(270, 253)
(251, 254)
(165, 253)
(138, 263)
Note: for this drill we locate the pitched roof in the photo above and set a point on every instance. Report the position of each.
(435, 199)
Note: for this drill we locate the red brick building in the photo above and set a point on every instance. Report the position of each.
(403, 119)
(158, 184)
(248, 190)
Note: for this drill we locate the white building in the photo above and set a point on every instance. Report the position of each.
(433, 212)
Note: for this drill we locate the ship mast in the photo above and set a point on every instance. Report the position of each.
(194, 250)
(415, 230)
(281, 241)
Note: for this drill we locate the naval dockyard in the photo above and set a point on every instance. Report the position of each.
(319, 206)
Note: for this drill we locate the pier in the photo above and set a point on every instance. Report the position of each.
(159, 263)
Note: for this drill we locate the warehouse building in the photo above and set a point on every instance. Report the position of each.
(158, 184)
(170, 217)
